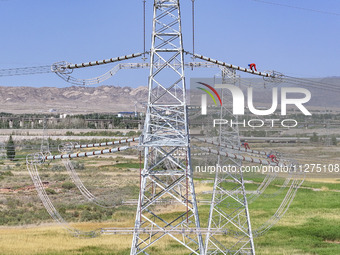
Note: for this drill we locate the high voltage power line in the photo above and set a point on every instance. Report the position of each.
(297, 7)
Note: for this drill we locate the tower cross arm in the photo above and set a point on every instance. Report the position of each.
(58, 67)
(242, 69)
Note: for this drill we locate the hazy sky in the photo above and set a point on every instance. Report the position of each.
(293, 41)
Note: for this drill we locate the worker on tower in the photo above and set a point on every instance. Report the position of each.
(246, 145)
(252, 66)
(273, 158)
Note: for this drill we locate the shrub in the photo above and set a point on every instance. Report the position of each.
(78, 166)
(10, 149)
(62, 209)
(314, 138)
(50, 191)
(76, 214)
(68, 185)
(334, 140)
(3, 174)
(57, 168)
(131, 133)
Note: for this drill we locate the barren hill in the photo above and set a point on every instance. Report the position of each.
(71, 99)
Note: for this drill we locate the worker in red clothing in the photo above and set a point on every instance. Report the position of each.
(273, 158)
(246, 145)
(252, 66)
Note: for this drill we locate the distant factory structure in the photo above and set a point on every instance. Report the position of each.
(127, 114)
(125, 120)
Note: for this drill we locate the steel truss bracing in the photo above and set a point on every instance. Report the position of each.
(165, 174)
(229, 208)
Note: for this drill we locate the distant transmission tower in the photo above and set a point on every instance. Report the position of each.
(165, 136)
(229, 209)
(2, 151)
(45, 147)
(328, 138)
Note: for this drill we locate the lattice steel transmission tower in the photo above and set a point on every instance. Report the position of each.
(45, 147)
(229, 208)
(166, 175)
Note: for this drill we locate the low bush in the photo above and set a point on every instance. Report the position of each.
(68, 185)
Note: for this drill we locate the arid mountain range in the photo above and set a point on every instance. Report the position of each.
(114, 99)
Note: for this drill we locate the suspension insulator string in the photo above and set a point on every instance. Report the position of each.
(193, 28)
(140, 186)
(187, 193)
(144, 15)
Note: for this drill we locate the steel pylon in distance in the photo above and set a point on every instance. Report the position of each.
(229, 208)
(166, 175)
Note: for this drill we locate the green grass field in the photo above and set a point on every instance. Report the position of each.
(311, 226)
